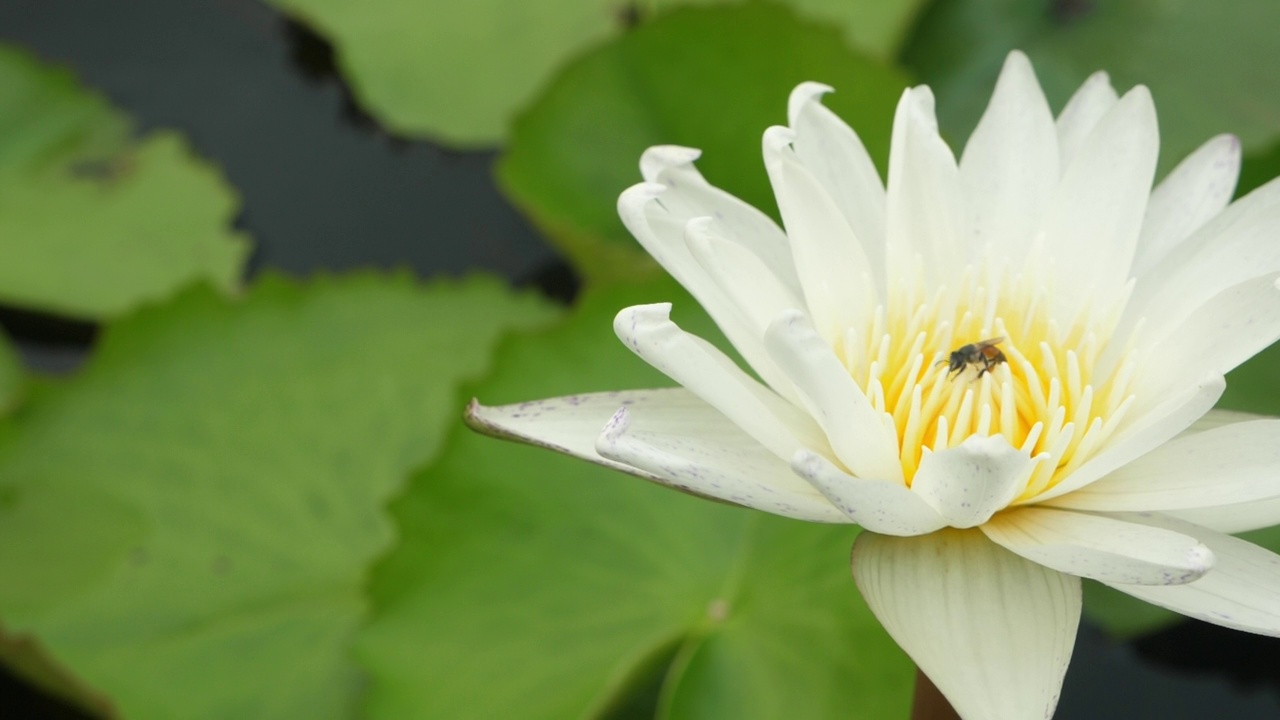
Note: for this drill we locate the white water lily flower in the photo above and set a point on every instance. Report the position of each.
(1066, 451)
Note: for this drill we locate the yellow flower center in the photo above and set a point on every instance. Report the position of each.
(1049, 396)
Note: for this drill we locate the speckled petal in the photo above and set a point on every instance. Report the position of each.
(715, 460)
(1099, 547)
(888, 508)
(571, 424)
(1239, 592)
(969, 483)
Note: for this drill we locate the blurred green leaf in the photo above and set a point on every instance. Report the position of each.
(531, 585)
(459, 72)
(1258, 169)
(233, 461)
(1254, 386)
(13, 377)
(1210, 66)
(92, 221)
(707, 78)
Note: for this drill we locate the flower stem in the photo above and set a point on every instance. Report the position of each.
(928, 703)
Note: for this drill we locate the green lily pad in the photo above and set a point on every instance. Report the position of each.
(707, 78)
(531, 585)
(458, 73)
(224, 468)
(94, 221)
(1208, 66)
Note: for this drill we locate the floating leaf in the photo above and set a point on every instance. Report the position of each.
(707, 78)
(223, 468)
(1207, 65)
(531, 585)
(458, 72)
(92, 221)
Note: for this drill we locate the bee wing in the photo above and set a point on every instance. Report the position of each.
(989, 342)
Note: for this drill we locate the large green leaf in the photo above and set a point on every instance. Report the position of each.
(201, 503)
(707, 78)
(531, 585)
(1209, 65)
(92, 221)
(458, 72)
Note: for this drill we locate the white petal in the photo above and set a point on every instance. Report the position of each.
(1230, 328)
(888, 508)
(834, 273)
(1099, 547)
(994, 632)
(643, 209)
(1147, 432)
(1217, 418)
(1091, 227)
(688, 195)
(861, 437)
(834, 154)
(1240, 591)
(571, 424)
(926, 212)
(714, 459)
(741, 275)
(1090, 103)
(1197, 190)
(1010, 165)
(697, 365)
(1234, 518)
(970, 482)
(1237, 245)
(1237, 463)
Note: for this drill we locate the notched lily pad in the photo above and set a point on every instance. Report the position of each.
(216, 479)
(93, 221)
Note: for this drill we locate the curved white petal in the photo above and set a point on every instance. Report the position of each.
(1235, 246)
(1237, 463)
(1240, 591)
(1240, 518)
(836, 157)
(1192, 194)
(926, 213)
(1091, 226)
(1230, 328)
(834, 273)
(741, 275)
(662, 233)
(715, 459)
(692, 362)
(1009, 168)
(1100, 547)
(888, 508)
(688, 195)
(571, 424)
(861, 437)
(969, 483)
(1086, 107)
(1146, 432)
(994, 632)
(1217, 418)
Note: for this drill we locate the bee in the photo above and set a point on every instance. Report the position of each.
(983, 355)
